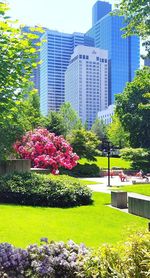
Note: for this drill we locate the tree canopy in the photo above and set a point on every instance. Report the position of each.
(54, 122)
(84, 143)
(137, 17)
(70, 118)
(116, 134)
(133, 109)
(99, 128)
(17, 59)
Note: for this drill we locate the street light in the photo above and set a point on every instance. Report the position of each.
(107, 145)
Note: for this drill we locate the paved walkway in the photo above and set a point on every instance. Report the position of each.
(115, 181)
(102, 186)
(103, 182)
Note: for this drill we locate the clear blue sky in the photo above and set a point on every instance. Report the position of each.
(62, 15)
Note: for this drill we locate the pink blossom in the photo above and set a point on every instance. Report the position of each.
(45, 150)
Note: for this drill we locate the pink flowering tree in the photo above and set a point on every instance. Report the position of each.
(46, 151)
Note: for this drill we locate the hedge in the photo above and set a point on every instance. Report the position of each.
(38, 190)
(85, 170)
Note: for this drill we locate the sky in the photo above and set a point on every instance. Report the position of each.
(62, 15)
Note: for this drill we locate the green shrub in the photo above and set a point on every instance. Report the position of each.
(39, 190)
(85, 170)
(60, 260)
(139, 157)
(128, 260)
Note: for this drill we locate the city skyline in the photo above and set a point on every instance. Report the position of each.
(56, 15)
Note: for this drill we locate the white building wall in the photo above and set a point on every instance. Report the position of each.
(107, 114)
(86, 82)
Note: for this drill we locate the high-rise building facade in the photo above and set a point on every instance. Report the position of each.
(106, 115)
(35, 77)
(123, 53)
(86, 82)
(99, 10)
(55, 55)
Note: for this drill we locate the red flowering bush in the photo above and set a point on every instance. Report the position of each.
(45, 150)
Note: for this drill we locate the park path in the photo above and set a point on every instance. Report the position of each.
(115, 181)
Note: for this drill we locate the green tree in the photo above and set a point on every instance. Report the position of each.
(70, 118)
(133, 109)
(136, 14)
(99, 128)
(116, 134)
(17, 60)
(139, 157)
(55, 123)
(29, 116)
(84, 143)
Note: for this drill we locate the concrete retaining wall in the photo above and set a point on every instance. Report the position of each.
(16, 165)
(139, 206)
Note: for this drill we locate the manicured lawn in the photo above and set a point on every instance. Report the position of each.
(143, 189)
(102, 162)
(67, 178)
(93, 225)
(85, 182)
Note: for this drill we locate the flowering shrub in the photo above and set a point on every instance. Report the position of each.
(45, 150)
(50, 260)
(60, 260)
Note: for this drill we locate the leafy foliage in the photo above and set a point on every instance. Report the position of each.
(38, 190)
(16, 48)
(133, 109)
(127, 260)
(85, 170)
(116, 134)
(57, 259)
(29, 116)
(45, 150)
(85, 143)
(17, 60)
(51, 260)
(139, 157)
(55, 123)
(136, 14)
(71, 120)
(99, 128)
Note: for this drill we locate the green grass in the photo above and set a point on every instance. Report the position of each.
(67, 178)
(86, 182)
(93, 225)
(102, 162)
(143, 189)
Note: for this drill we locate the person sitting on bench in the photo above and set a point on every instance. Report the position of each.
(122, 176)
(141, 175)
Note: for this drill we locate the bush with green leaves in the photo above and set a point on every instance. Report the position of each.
(139, 157)
(50, 260)
(83, 170)
(84, 143)
(69, 260)
(128, 260)
(38, 190)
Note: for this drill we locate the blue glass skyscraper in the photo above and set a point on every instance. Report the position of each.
(99, 10)
(55, 55)
(123, 53)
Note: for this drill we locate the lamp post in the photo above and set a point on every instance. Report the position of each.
(108, 156)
